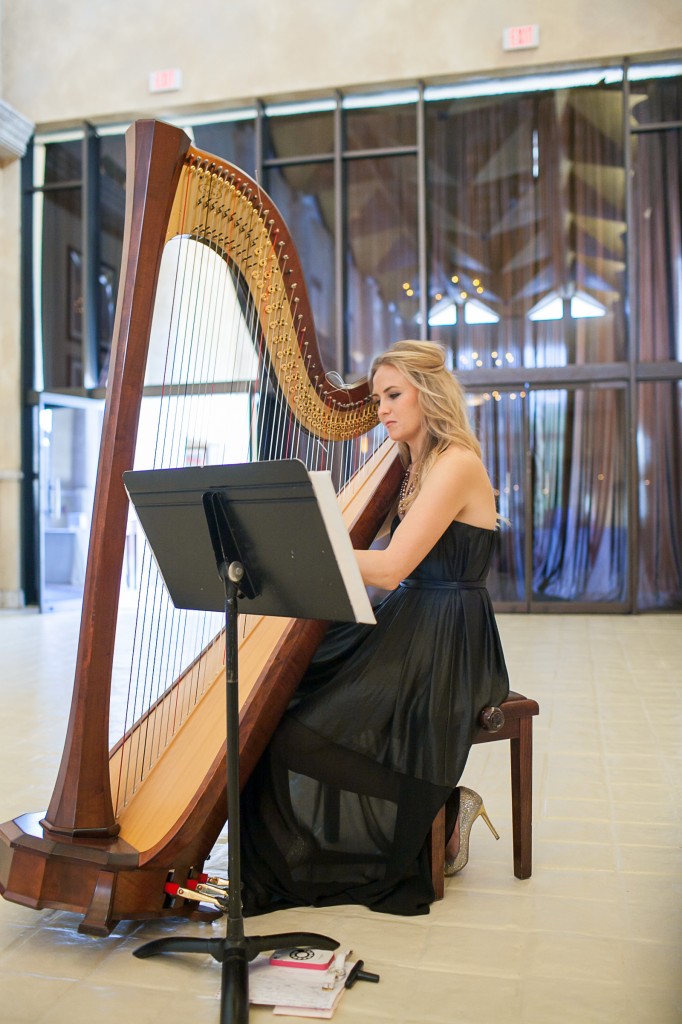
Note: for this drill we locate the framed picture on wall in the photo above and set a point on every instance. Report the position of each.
(106, 297)
(74, 279)
(107, 304)
(74, 370)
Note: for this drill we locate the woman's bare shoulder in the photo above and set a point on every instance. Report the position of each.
(461, 473)
(460, 460)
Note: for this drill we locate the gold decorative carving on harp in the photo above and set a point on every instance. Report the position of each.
(127, 815)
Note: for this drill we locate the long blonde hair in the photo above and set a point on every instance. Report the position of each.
(441, 402)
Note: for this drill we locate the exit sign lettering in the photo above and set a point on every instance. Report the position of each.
(521, 37)
(168, 80)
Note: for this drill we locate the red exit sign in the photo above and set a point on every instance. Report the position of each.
(521, 37)
(168, 80)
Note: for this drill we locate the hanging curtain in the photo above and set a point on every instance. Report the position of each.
(527, 214)
(657, 223)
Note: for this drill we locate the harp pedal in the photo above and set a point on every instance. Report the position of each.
(219, 883)
(199, 892)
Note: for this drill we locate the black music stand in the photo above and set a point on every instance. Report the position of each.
(276, 535)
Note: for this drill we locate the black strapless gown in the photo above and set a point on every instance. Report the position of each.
(374, 742)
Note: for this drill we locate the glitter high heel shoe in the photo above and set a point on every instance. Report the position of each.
(470, 808)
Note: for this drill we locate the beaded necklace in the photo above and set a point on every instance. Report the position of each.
(406, 490)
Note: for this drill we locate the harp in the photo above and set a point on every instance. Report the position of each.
(135, 808)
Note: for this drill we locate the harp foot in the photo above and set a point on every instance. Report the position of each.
(98, 920)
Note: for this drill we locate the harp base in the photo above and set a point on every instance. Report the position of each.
(109, 832)
(103, 882)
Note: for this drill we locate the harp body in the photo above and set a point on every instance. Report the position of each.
(95, 851)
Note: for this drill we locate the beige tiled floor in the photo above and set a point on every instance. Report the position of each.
(594, 936)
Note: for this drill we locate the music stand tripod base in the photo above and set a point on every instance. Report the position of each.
(235, 950)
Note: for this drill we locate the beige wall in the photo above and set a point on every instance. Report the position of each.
(65, 61)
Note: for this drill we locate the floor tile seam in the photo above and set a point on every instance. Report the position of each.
(607, 936)
(675, 844)
(178, 983)
(47, 976)
(460, 924)
(539, 840)
(642, 790)
(627, 872)
(570, 817)
(375, 1015)
(672, 947)
(652, 756)
(467, 971)
(578, 869)
(633, 824)
(564, 978)
(646, 823)
(491, 889)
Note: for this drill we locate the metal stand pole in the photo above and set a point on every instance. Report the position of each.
(235, 951)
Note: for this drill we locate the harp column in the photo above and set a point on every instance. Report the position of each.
(81, 804)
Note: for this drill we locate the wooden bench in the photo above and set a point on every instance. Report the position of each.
(516, 725)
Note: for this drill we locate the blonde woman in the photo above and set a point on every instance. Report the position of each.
(374, 743)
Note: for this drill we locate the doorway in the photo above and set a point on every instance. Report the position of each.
(69, 431)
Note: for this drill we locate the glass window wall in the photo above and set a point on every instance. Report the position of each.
(382, 260)
(518, 230)
(656, 93)
(57, 212)
(380, 127)
(234, 141)
(527, 219)
(304, 195)
(499, 420)
(659, 462)
(657, 232)
(298, 135)
(112, 173)
(577, 440)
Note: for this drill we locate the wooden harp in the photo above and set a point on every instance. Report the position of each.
(131, 812)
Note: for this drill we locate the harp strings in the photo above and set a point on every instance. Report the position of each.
(228, 332)
(162, 635)
(167, 678)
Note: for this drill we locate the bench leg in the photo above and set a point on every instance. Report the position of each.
(437, 840)
(521, 753)
(521, 750)
(331, 814)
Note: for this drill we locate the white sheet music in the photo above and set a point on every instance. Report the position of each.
(289, 987)
(341, 545)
